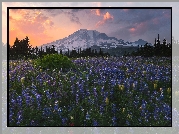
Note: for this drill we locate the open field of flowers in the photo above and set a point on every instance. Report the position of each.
(123, 91)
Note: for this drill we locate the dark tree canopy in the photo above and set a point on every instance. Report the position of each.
(159, 49)
(21, 49)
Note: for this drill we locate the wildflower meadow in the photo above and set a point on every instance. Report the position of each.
(103, 91)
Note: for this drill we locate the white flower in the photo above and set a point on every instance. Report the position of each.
(155, 86)
(71, 117)
(22, 79)
(169, 90)
(144, 72)
(133, 85)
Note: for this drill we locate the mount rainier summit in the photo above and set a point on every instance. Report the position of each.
(84, 38)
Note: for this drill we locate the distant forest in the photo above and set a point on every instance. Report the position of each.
(22, 49)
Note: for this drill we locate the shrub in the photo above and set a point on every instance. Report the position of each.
(53, 61)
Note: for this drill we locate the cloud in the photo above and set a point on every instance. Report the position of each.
(32, 23)
(55, 12)
(72, 17)
(144, 20)
(135, 16)
(107, 17)
(36, 33)
(139, 29)
(98, 12)
(31, 26)
(100, 23)
(142, 25)
(121, 33)
(139, 15)
(30, 15)
(36, 24)
(132, 30)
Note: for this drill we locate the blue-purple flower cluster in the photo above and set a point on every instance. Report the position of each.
(110, 91)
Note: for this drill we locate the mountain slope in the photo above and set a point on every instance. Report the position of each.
(84, 38)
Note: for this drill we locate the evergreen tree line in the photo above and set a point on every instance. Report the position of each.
(159, 50)
(23, 50)
(84, 53)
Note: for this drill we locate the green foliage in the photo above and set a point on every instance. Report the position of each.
(54, 61)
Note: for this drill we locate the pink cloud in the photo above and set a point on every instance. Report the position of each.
(30, 24)
(132, 30)
(138, 29)
(106, 17)
(100, 23)
(98, 12)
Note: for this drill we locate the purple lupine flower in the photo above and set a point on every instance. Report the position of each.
(56, 107)
(114, 123)
(91, 101)
(95, 123)
(77, 98)
(19, 117)
(19, 101)
(11, 113)
(101, 109)
(32, 123)
(64, 121)
(28, 100)
(87, 116)
(47, 111)
(60, 111)
(113, 108)
(48, 94)
(127, 122)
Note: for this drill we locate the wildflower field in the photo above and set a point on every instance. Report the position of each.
(110, 91)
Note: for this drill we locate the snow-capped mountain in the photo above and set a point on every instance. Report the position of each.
(84, 38)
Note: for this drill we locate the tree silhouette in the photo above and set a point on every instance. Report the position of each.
(20, 49)
(158, 49)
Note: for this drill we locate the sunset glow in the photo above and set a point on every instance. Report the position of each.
(43, 26)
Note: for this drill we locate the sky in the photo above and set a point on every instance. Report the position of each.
(47, 25)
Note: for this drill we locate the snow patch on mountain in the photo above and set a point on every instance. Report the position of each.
(84, 38)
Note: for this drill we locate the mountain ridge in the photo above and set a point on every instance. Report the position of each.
(84, 38)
